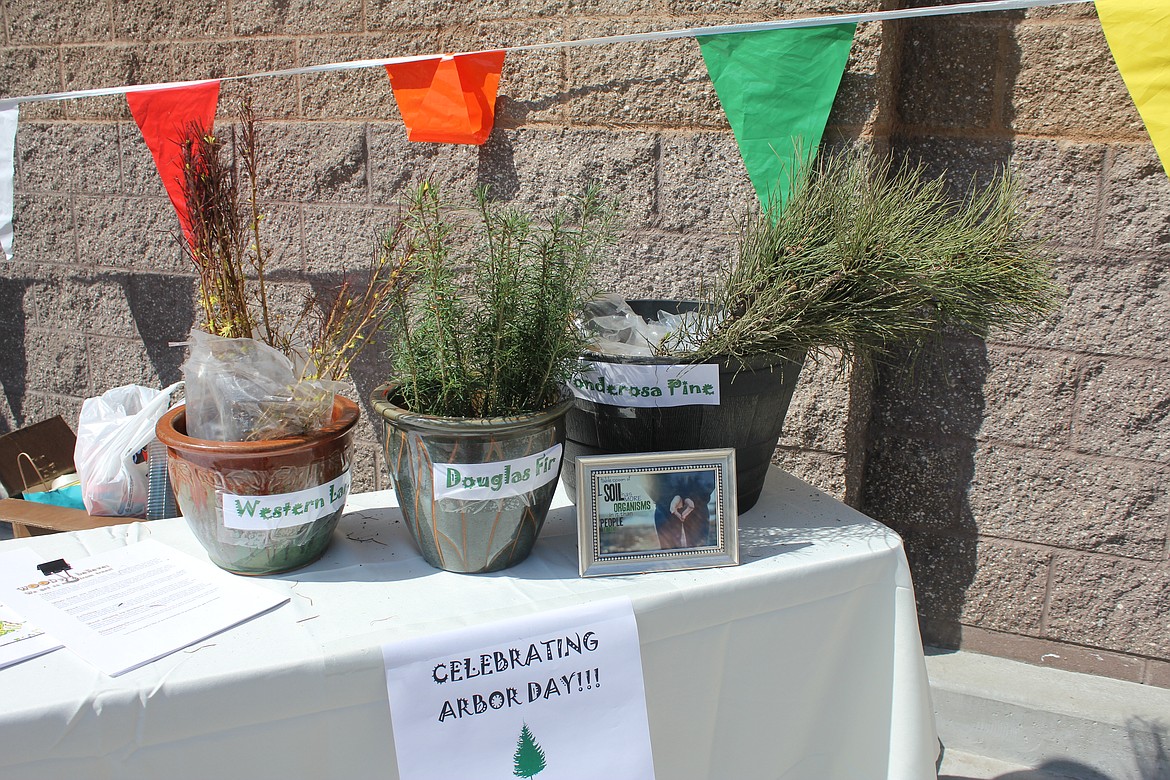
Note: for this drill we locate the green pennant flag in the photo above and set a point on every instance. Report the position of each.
(777, 88)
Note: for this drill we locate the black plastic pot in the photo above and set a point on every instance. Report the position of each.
(749, 417)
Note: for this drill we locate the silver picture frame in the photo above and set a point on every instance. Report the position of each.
(658, 511)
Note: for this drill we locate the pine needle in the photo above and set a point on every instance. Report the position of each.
(864, 258)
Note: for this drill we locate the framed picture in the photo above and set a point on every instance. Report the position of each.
(656, 511)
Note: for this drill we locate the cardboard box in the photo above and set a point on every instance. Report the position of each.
(30, 459)
(32, 519)
(34, 456)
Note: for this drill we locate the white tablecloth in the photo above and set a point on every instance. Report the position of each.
(802, 662)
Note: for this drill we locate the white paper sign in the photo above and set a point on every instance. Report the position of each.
(628, 384)
(475, 481)
(129, 606)
(558, 695)
(285, 510)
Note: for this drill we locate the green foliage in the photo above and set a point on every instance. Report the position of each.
(529, 758)
(864, 258)
(491, 331)
(327, 333)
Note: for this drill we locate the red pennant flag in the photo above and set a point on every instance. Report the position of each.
(451, 99)
(163, 116)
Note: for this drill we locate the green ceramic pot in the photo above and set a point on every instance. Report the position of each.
(474, 492)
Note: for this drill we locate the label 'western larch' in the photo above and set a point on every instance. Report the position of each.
(285, 510)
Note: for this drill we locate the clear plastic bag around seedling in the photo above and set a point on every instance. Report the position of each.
(684, 331)
(616, 329)
(244, 390)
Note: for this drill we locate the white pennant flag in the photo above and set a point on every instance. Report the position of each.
(7, 175)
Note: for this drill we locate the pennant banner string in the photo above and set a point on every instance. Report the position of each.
(693, 32)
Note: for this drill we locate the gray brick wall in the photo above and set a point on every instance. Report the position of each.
(1026, 472)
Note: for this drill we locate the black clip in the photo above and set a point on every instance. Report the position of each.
(59, 566)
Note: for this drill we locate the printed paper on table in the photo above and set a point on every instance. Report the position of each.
(126, 607)
(20, 640)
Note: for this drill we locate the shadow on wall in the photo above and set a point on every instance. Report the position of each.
(161, 307)
(13, 361)
(497, 167)
(919, 465)
(953, 119)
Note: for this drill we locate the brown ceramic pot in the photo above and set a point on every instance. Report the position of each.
(262, 507)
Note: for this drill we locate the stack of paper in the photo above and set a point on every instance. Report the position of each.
(127, 607)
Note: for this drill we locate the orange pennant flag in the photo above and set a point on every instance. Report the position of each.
(449, 99)
(163, 116)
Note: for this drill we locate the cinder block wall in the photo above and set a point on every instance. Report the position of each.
(1028, 473)
(1024, 472)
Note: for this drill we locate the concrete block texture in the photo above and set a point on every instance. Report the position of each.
(1070, 500)
(92, 66)
(950, 85)
(1025, 471)
(149, 20)
(1137, 201)
(1119, 411)
(261, 17)
(110, 219)
(50, 21)
(913, 483)
(33, 70)
(47, 150)
(1062, 81)
(45, 224)
(1111, 603)
(640, 84)
(818, 417)
(315, 162)
(1114, 302)
(218, 58)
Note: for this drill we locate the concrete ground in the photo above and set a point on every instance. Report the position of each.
(1004, 720)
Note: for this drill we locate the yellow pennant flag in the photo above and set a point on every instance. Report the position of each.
(1138, 32)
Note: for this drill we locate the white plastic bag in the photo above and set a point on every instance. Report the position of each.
(111, 431)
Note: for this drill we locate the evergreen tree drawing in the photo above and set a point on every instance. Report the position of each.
(529, 758)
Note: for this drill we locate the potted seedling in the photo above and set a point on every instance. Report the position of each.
(861, 259)
(482, 343)
(259, 455)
